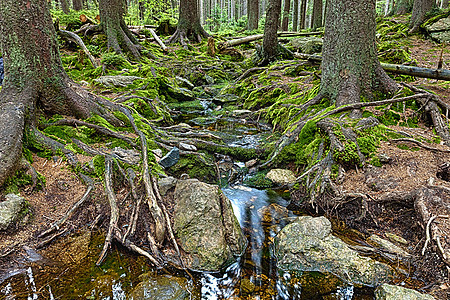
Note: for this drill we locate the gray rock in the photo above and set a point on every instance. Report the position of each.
(281, 176)
(170, 158)
(164, 287)
(206, 226)
(118, 80)
(251, 163)
(183, 82)
(393, 292)
(157, 153)
(440, 30)
(165, 184)
(187, 147)
(308, 45)
(10, 210)
(308, 245)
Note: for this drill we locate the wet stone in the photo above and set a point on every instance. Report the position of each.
(170, 158)
(387, 246)
(393, 292)
(281, 176)
(163, 287)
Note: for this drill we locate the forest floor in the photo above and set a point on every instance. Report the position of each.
(410, 168)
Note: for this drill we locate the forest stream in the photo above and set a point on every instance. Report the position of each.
(123, 275)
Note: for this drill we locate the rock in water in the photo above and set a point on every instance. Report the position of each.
(170, 158)
(10, 210)
(281, 176)
(308, 245)
(206, 226)
(393, 292)
(164, 287)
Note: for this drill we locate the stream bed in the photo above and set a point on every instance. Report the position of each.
(122, 275)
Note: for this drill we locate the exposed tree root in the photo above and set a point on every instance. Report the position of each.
(181, 35)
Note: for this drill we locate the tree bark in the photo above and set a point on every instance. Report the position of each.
(189, 26)
(350, 67)
(287, 8)
(65, 6)
(252, 14)
(419, 11)
(34, 77)
(117, 32)
(303, 14)
(77, 5)
(270, 41)
(295, 16)
(316, 20)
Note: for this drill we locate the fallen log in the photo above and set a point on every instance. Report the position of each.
(439, 74)
(252, 38)
(158, 40)
(77, 40)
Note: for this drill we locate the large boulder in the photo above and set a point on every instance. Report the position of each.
(206, 226)
(308, 245)
(439, 30)
(309, 45)
(164, 287)
(393, 292)
(11, 210)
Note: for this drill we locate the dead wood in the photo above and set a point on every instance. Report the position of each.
(420, 144)
(158, 40)
(77, 40)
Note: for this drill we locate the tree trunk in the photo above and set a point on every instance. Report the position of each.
(65, 6)
(189, 26)
(252, 14)
(419, 11)
(287, 8)
(350, 67)
(387, 7)
(316, 20)
(77, 5)
(270, 41)
(444, 4)
(34, 76)
(402, 7)
(303, 14)
(117, 32)
(295, 16)
(141, 10)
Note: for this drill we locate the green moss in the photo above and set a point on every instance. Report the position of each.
(349, 156)
(375, 161)
(99, 165)
(195, 168)
(259, 180)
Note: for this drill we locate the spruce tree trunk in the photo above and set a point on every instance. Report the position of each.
(77, 5)
(350, 66)
(287, 8)
(64, 6)
(117, 32)
(303, 14)
(270, 41)
(189, 26)
(252, 14)
(34, 77)
(316, 20)
(419, 11)
(295, 16)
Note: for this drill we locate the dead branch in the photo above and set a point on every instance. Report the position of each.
(77, 40)
(420, 144)
(158, 40)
